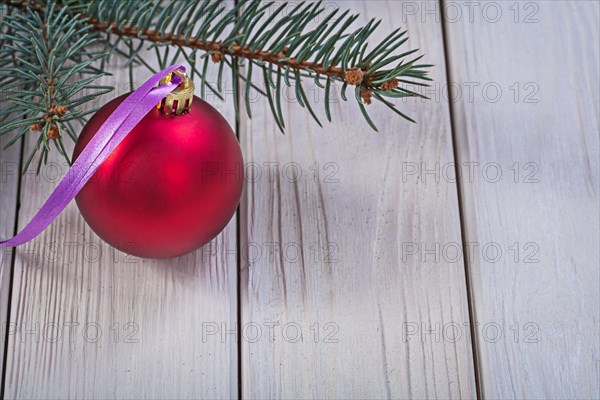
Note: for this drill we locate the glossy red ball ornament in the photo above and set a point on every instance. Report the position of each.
(169, 187)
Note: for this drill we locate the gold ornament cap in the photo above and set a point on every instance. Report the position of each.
(179, 100)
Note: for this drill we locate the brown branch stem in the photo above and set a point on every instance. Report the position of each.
(354, 76)
(214, 47)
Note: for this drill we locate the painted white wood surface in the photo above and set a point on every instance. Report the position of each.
(9, 180)
(129, 328)
(549, 51)
(325, 253)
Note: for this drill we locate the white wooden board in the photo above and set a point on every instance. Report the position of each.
(325, 253)
(9, 180)
(536, 302)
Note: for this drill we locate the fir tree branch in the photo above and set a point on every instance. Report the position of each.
(277, 47)
(41, 52)
(320, 42)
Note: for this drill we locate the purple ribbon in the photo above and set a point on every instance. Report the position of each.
(118, 125)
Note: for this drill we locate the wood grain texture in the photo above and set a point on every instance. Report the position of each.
(548, 293)
(9, 180)
(326, 253)
(95, 323)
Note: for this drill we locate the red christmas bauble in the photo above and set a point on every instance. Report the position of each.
(169, 187)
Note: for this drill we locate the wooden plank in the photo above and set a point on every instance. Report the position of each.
(9, 181)
(129, 328)
(324, 253)
(542, 293)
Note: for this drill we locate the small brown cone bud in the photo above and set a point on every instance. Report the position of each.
(60, 110)
(365, 94)
(36, 127)
(354, 76)
(53, 132)
(216, 56)
(390, 85)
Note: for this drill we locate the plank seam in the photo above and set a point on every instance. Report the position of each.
(461, 213)
(238, 235)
